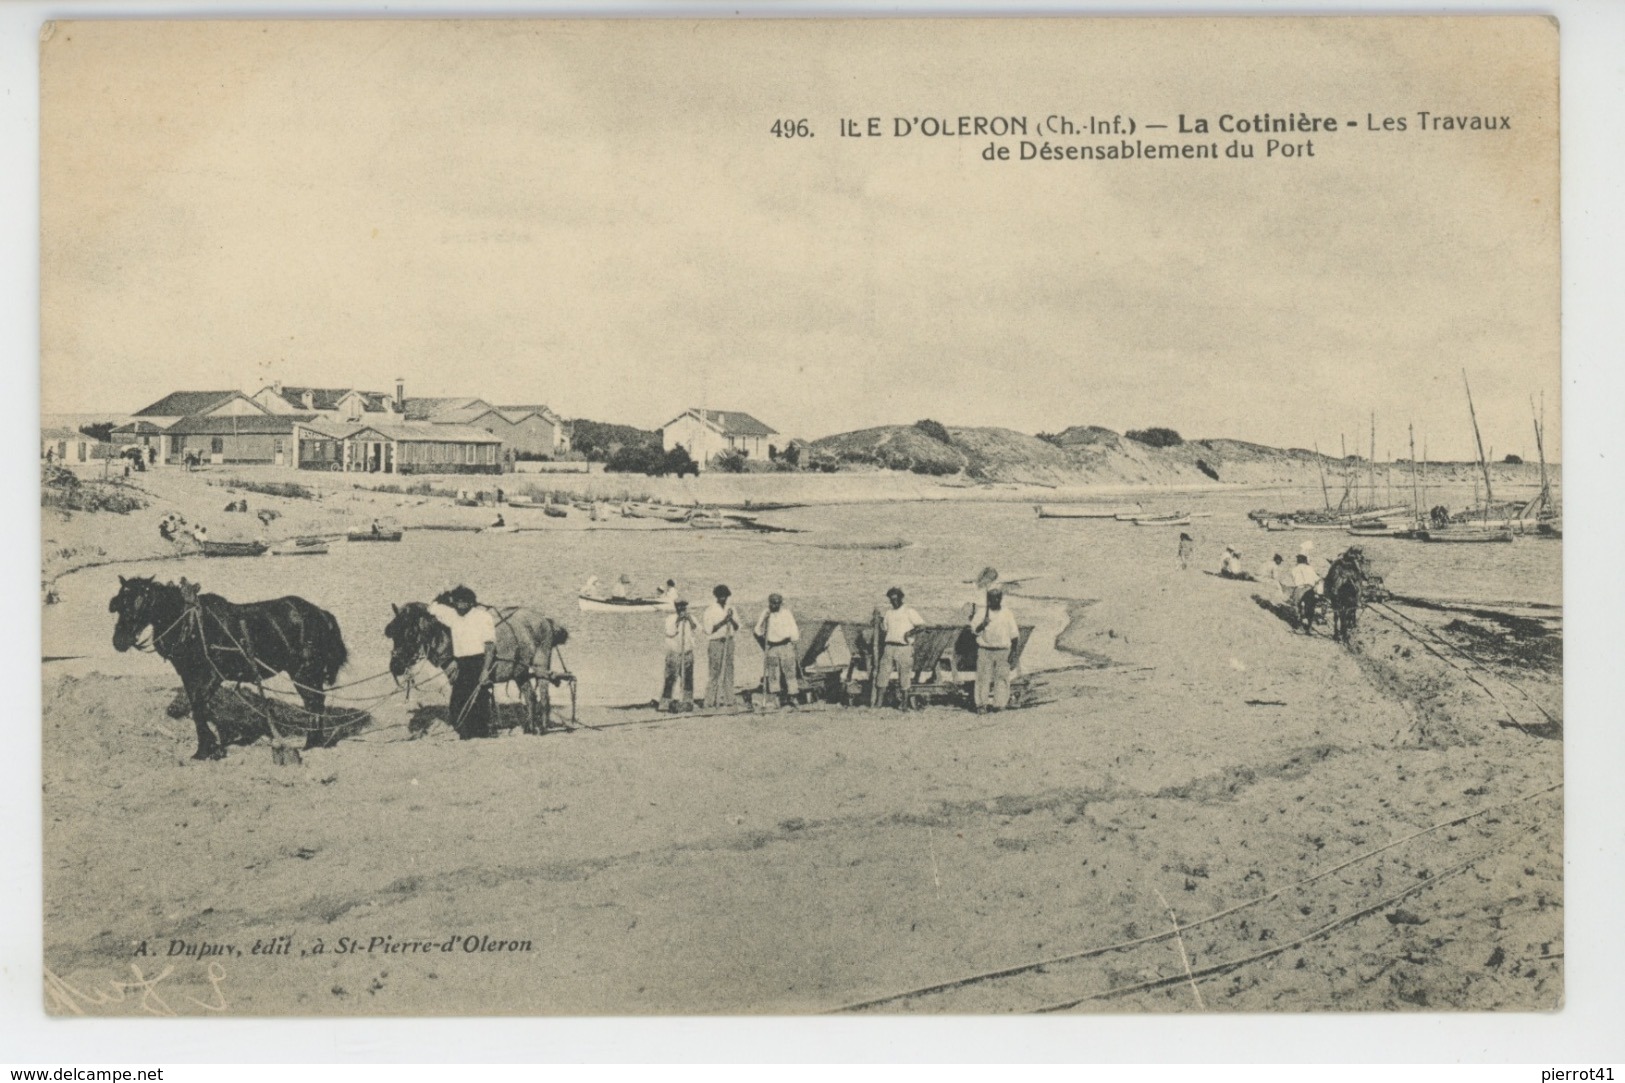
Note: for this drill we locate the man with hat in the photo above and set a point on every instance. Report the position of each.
(474, 646)
(997, 637)
(720, 623)
(681, 633)
(776, 634)
(897, 647)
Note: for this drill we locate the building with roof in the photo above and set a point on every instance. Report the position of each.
(344, 403)
(178, 405)
(705, 434)
(434, 409)
(70, 447)
(396, 447)
(143, 434)
(263, 439)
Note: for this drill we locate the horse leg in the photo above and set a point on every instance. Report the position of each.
(209, 745)
(315, 705)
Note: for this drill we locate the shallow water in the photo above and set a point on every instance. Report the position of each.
(618, 657)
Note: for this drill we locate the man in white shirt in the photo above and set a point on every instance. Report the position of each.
(681, 633)
(897, 647)
(776, 633)
(1305, 580)
(474, 646)
(997, 636)
(719, 624)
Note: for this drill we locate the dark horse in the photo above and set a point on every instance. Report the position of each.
(1347, 582)
(209, 640)
(524, 651)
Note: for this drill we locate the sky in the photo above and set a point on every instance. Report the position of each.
(597, 216)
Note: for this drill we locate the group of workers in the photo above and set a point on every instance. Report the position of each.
(1292, 581)
(777, 634)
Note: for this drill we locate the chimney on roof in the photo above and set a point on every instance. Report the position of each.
(276, 385)
(400, 395)
(310, 399)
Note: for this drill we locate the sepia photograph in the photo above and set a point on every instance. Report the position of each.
(739, 517)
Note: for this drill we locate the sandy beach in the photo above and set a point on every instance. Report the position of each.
(1326, 829)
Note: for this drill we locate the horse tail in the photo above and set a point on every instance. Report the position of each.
(338, 655)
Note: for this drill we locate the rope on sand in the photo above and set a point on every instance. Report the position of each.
(1089, 953)
(1464, 671)
(1479, 662)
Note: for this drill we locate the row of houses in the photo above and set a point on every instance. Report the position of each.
(353, 430)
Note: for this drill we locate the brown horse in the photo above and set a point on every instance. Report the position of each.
(526, 640)
(1346, 584)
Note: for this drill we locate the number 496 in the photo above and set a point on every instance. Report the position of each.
(792, 129)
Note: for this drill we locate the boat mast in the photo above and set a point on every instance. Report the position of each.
(1489, 495)
(1344, 442)
(1371, 465)
(1540, 445)
(1416, 497)
(1320, 464)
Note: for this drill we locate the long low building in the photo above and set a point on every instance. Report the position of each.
(265, 439)
(396, 447)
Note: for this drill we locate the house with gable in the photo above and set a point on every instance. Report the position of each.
(705, 434)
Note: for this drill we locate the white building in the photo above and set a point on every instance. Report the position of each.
(705, 434)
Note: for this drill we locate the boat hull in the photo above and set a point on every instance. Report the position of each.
(1466, 537)
(233, 549)
(369, 536)
(1080, 511)
(591, 604)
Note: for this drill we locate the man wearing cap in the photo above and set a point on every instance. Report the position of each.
(776, 633)
(681, 633)
(897, 651)
(474, 645)
(997, 636)
(1304, 581)
(719, 624)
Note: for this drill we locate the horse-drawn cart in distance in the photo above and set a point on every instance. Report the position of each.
(838, 660)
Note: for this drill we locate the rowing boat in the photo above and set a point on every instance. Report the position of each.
(233, 548)
(373, 536)
(1176, 519)
(1465, 536)
(300, 547)
(590, 603)
(656, 511)
(1085, 511)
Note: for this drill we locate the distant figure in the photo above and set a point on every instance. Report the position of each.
(681, 633)
(591, 587)
(1230, 566)
(720, 623)
(499, 521)
(1277, 572)
(473, 645)
(898, 625)
(996, 639)
(1186, 547)
(499, 494)
(50, 456)
(668, 593)
(200, 532)
(776, 634)
(375, 529)
(152, 455)
(623, 588)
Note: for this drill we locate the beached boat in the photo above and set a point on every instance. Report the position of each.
(1177, 519)
(300, 547)
(1086, 511)
(591, 603)
(554, 511)
(233, 548)
(1465, 536)
(656, 511)
(1551, 528)
(373, 536)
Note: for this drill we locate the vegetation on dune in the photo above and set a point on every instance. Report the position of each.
(291, 490)
(1155, 437)
(62, 489)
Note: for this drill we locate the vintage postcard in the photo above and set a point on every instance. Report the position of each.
(571, 517)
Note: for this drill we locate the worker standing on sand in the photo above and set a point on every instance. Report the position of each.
(720, 623)
(668, 593)
(474, 646)
(681, 633)
(1304, 581)
(776, 634)
(997, 636)
(1186, 547)
(897, 646)
(1275, 571)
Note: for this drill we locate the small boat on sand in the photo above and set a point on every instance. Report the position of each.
(1468, 536)
(233, 548)
(373, 536)
(1178, 518)
(592, 603)
(554, 511)
(1086, 511)
(300, 547)
(656, 511)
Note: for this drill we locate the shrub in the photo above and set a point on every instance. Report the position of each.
(1156, 437)
(936, 430)
(678, 461)
(730, 462)
(63, 489)
(636, 459)
(1515, 460)
(1050, 438)
(1201, 464)
(292, 490)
